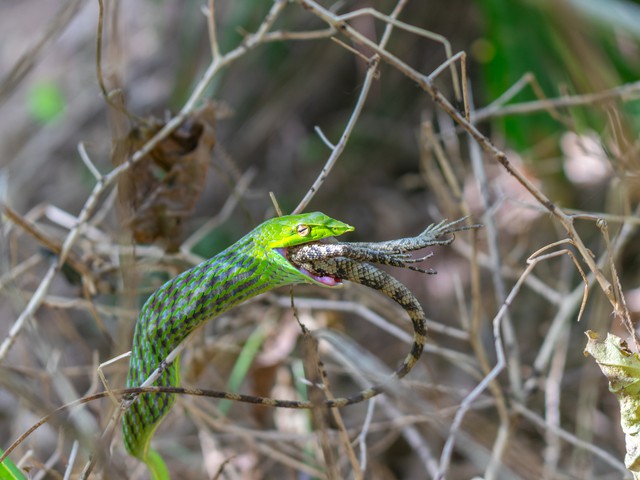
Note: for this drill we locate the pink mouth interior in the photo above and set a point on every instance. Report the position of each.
(325, 280)
(328, 281)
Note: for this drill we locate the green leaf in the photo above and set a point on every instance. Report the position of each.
(622, 368)
(243, 364)
(9, 471)
(46, 102)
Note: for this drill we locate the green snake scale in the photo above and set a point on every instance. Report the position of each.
(282, 251)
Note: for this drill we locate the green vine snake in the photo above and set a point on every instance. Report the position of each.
(286, 250)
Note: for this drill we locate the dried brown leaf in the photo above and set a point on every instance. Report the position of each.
(160, 191)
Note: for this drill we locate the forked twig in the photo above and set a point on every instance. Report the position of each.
(532, 261)
(570, 438)
(625, 92)
(339, 24)
(623, 313)
(105, 182)
(426, 84)
(391, 20)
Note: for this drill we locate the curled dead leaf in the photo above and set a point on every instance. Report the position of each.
(160, 191)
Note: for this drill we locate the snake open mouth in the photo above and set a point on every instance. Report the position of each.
(323, 279)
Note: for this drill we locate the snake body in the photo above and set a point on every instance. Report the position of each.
(282, 251)
(252, 265)
(370, 276)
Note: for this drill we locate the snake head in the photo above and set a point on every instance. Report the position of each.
(292, 230)
(281, 233)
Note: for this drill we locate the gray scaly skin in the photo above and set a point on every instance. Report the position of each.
(344, 261)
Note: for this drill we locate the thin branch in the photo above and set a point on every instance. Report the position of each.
(570, 438)
(342, 143)
(625, 93)
(278, 36)
(421, 32)
(372, 72)
(26, 314)
(108, 181)
(468, 401)
(213, 34)
(423, 81)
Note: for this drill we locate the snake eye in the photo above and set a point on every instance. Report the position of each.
(303, 230)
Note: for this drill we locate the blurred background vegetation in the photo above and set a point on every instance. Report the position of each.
(581, 150)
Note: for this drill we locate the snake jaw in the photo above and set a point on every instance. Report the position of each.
(323, 279)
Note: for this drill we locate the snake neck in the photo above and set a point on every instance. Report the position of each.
(183, 304)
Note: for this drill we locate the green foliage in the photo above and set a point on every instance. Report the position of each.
(566, 45)
(46, 102)
(241, 368)
(9, 471)
(522, 40)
